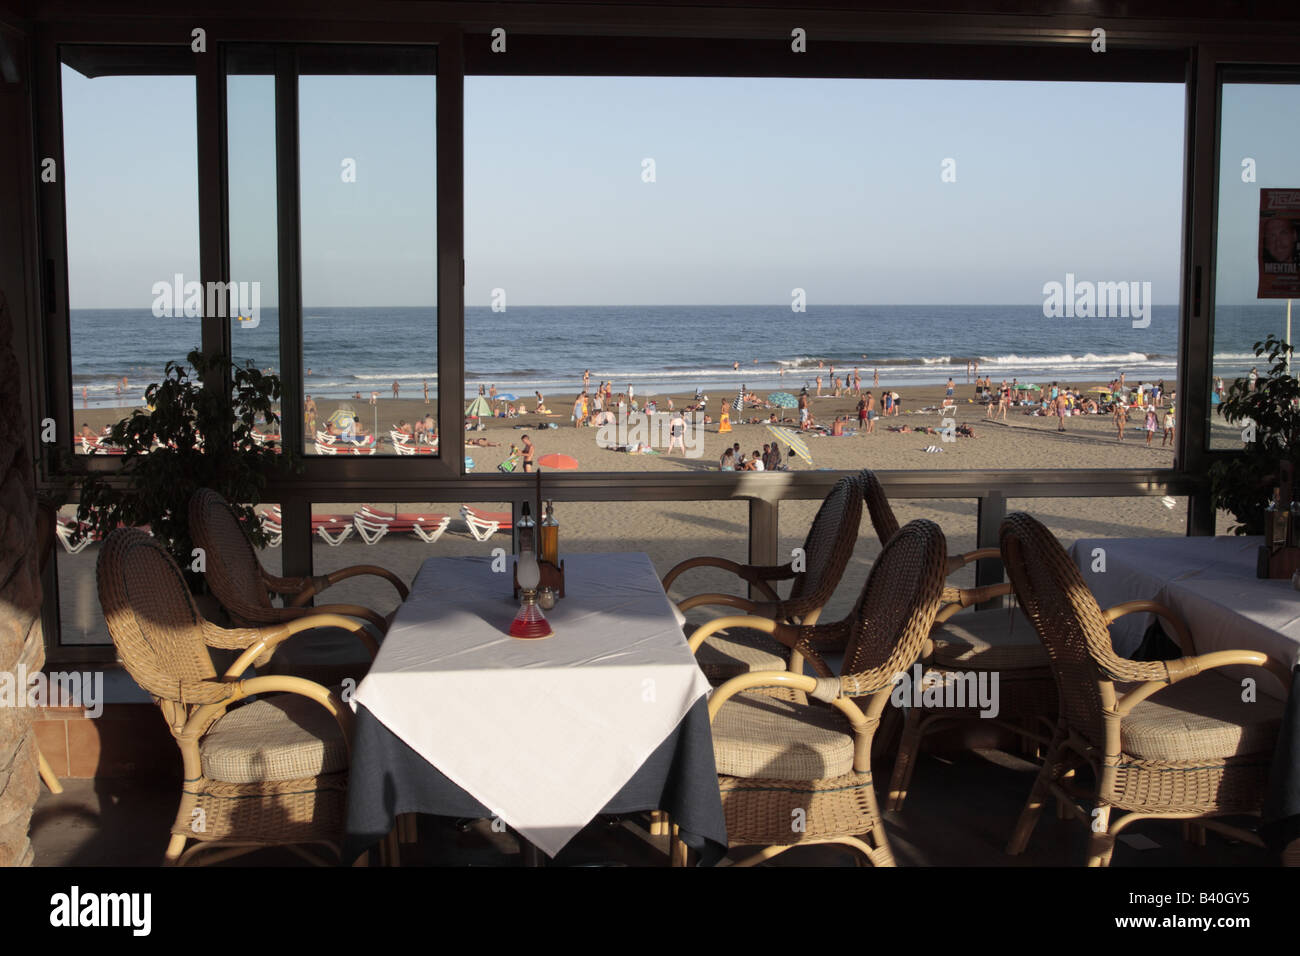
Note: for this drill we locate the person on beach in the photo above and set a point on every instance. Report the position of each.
(803, 409)
(819, 386)
(886, 404)
(418, 431)
(1254, 378)
(875, 378)
(735, 366)
(482, 443)
(426, 391)
(577, 411)
(85, 398)
(676, 433)
(540, 404)
(862, 412)
(898, 402)
(871, 412)
(309, 415)
(1004, 400)
(948, 393)
(492, 394)
(728, 460)
(1150, 424)
(755, 462)
(586, 379)
(1168, 437)
(397, 387)
(374, 398)
(1121, 418)
(1060, 412)
(529, 452)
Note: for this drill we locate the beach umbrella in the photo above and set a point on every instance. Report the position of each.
(342, 417)
(737, 404)
(559, 462)
(507, 397)
(479, 408)
(797, 444)
(783, 400)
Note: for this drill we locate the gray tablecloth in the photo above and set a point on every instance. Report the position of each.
(388, 778)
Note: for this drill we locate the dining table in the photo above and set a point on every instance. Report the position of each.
(608, 715)
(1210, 583)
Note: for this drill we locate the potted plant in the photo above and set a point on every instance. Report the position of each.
(190, 438)
(1270, 418)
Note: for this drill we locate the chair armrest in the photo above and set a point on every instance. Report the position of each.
(758, 679)
(205, 716)
(1186, 667)
(958, 561)
(756, 575)
(1181, 635)
(958, 598)
(268, 638)
(716, 600)
(319, 583)
(351, 610)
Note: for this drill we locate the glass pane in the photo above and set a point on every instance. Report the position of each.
(369, 277)
(911, 238)
(251, 174)
(1256, 152)
(134, 297)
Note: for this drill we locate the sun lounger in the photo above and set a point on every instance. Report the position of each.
(373, 525)
(484, 524)
(271, 525)
(333, 529)
(73, 535)
(362, 441)
(405, 448)
(344, 448)
(97, 446)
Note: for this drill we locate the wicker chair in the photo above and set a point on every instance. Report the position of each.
(970, 643)
(826, 550)
(1161, 741)
(794, 771)
(271, 772)
(243, 587)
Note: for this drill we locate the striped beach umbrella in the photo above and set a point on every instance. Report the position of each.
(790, 438)
(479, 408)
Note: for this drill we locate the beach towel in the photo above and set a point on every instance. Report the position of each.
(932, 449)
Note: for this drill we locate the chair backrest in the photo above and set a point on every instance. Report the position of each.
(233, 571)
(898, 604)
(827, 547)
(882, 515)
(1052, 593)
(153, 621)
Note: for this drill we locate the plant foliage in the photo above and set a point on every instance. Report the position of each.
(1270, 420)
(190, 438)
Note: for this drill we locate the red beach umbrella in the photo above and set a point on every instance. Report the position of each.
(558, 462)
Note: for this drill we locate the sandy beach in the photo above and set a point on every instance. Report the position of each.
(673, 531)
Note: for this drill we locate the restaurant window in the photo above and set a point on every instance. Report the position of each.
(680, 237)
(254, 312)
(366, 157)
(1255, 259)
(130, 182)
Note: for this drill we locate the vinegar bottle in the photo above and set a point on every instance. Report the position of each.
(550, 536)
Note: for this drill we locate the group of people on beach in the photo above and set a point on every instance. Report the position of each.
(769, 459)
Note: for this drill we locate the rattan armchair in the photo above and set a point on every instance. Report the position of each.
(795, 771)
(243, 586)
(272, 772)
(1163, 739)
(724, 649)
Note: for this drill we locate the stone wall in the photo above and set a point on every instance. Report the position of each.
(21, 641)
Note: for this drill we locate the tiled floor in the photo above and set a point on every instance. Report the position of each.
(959, 813)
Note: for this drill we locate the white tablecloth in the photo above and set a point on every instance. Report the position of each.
(542, 732)
(1209, 582)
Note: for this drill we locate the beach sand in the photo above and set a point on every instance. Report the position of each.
(673, 531)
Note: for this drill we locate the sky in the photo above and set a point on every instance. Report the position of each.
(760, 186)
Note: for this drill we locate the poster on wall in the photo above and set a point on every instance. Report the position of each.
(1279, 244)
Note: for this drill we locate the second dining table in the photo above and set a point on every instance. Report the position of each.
(608, 715)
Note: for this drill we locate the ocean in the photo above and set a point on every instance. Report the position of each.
(665, 348)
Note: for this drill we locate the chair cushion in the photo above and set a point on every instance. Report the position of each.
(738, 651)
(284, 737)
(1201, 718)
(988, 640)
(756, 735)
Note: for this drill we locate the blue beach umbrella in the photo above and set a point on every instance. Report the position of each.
(783, 400)
(507, 397)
